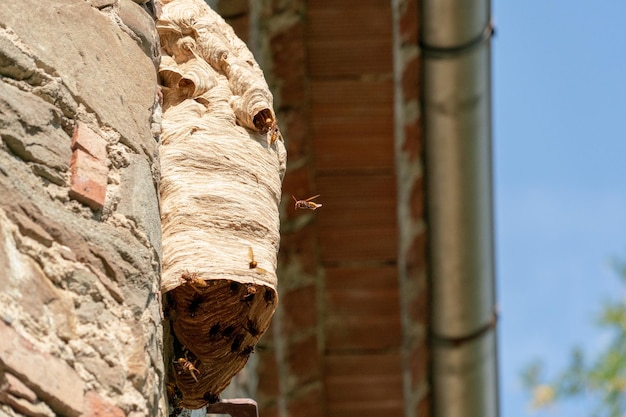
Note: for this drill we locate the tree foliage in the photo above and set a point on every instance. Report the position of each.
(602, 378)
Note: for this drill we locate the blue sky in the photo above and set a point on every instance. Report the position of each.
(559, 88)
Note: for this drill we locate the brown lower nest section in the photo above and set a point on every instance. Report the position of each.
(215, 329)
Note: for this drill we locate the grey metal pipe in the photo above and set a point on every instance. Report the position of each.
(457, 126)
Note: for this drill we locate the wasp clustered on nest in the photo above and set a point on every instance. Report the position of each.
(215, 324)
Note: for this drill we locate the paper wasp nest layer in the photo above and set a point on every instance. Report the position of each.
(222, 165)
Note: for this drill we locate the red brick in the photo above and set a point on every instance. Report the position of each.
(341, 47)
(332, 95)
(304, 362)
(356, 201)
(416, 256)
(358, 220)
(361, 302)
(299, 248)
(423, 408)
(96, 406)
(418, 307)
(411, 79)
(294, 125)
(288, 58)
(417, 199)
(349, 58)
(416, 275)
(358, 25)
(268, 387)
(89, 141)
(353, 333)
(270, 410)
(344, 4)
(419, 360)
(376, 244)
(367, 384)
(352, 124)
(228, 8)
(293, 90)
(241, 26)
(413, 142)
(301, 309)
(409, 22)
(88, 179)
(280, 6)
(307, 404)
(374, 278)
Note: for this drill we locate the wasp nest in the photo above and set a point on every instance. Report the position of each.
(222, 165)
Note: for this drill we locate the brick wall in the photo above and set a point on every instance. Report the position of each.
(350, 336)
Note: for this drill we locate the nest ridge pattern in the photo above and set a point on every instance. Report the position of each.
(221, 171)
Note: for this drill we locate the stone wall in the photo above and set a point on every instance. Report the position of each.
(80, 316)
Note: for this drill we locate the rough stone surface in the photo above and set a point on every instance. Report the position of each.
(89, 62)
(50, 378)
(13, 62)
(96, 406)
(31, 128)
(80, 316)
(142, 26)
(137, 192)
(17, 388)
(25, 407)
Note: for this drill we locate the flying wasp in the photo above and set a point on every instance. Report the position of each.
(306, 204)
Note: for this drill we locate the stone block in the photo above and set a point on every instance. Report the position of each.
(17, 388)
(111, 377)
(96, 406)
(139, 200)
(25, 407)
(141, 24)
(51, 378)
(29, 228)
(100, 4)
(13, 62)
(31, 128)
(105, 69)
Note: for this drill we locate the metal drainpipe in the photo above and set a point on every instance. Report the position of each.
(456, 57)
